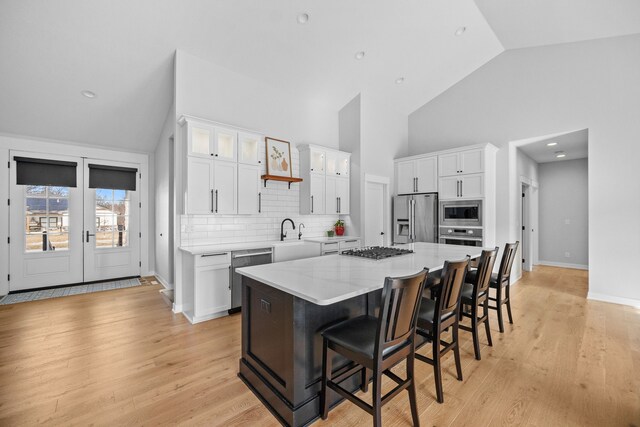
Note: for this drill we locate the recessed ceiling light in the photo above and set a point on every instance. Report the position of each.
(551, 144)
(303, 18)
(560, 154)
(88, 94)
(460, 31)
(359, 55)
(400, 80)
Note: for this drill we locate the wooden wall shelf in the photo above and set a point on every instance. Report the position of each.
(287, 179)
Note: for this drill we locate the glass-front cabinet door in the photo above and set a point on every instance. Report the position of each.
(224, 144)
(249, 148)
(342, 164)
(317, 161)
(200, 140)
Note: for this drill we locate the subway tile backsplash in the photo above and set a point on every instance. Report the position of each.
(278, 203)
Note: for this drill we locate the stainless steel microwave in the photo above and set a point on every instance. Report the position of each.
(461, 213)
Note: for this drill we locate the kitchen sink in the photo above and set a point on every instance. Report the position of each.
(296, 249)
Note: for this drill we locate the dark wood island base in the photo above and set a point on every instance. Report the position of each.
(282, 349)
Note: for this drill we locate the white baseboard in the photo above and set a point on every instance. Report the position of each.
(177, 308)
(613, 299)
(563, 265)
(164, 282)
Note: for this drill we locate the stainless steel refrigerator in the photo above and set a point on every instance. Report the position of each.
(415, 218)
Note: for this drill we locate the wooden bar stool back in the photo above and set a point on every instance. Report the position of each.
(502, 283)
(440, 314)
(476, 294)
(376, 345)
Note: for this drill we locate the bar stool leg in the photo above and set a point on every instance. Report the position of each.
(474, 331)
(486, 321)
(377, 398)
(499, 308)
(508, 290)
(436, 364)
(456, 350)
(412, 390)
(326, 376)
(364, 380)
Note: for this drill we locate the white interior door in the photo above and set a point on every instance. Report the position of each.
(374, 214)
(46, 221)
(112, 221)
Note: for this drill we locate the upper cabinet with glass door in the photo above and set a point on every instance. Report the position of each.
(208, 140)
(225, 142)
(249, 148)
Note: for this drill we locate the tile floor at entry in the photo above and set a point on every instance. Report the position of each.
(122, 357)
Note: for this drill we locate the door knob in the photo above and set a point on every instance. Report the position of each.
(382, 233)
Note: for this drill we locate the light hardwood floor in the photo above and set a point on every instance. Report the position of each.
(122, 358)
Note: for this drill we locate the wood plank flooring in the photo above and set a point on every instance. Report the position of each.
(122, 358)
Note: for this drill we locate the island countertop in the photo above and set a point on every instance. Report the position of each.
(330, 279)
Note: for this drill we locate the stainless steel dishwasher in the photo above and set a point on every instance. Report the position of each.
(245, 258)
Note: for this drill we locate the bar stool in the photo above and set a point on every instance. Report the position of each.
(501, 282)
(437, 315)
(476, 294)
(376, 345)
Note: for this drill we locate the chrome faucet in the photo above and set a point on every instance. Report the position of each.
(300, 227)
(283, 234)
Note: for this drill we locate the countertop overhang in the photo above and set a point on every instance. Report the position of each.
(330, 279)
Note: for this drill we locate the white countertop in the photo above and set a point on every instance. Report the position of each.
(329, 279)
(228, 247)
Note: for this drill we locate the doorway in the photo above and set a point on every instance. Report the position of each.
(376, 207)
(526, 229)
(72, 220)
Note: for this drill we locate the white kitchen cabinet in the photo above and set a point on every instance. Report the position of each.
(214, 182)
(249, 148)
(249, 190)
(461, 162)
(349, 244)
(207, 292)
(325, 180)
(225, 189)
(462, 187)
(317, 194)
(417, 175)
(337, 247)
(336, 195)
(225, 143)
(200, 197)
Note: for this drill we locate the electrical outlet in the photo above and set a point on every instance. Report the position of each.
(567, 255)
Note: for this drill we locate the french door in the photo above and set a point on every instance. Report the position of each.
(72, 220)
(111, 220)
(46, 247)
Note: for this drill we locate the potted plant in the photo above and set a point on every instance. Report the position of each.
(330, 233)
(339, 227)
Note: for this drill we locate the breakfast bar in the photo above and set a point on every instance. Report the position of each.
(286, 305)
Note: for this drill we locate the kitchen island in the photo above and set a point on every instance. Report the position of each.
(286, 305)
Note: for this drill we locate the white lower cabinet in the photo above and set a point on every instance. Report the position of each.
(207, 286)
(332, 248)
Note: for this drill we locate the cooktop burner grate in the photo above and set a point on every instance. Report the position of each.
(377, 252)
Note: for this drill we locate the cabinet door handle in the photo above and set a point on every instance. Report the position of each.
(216, 201)
(337, 204)
(417, 186)
(259, 202)
(311, 204)
(216, 254)
(211, 200)
(461, 188)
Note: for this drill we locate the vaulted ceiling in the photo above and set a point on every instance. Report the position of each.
(123, 51)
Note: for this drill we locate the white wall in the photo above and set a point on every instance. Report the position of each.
(350, 140)
(164, 213)
(37, 145)
(564, 198)
(539, 91)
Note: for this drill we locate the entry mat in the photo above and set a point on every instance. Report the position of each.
(69, 290)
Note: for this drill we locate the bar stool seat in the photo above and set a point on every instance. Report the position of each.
(428, 309)
(471, 278)
(359, 335)
(467, 293)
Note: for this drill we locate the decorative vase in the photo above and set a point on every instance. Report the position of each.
(339, 231)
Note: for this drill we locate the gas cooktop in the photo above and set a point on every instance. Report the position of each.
(377, 252)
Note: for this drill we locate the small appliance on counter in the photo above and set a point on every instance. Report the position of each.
(415, 218)
(245, 258)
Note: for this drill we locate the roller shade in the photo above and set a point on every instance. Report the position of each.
(112, 177)
(31, 171)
